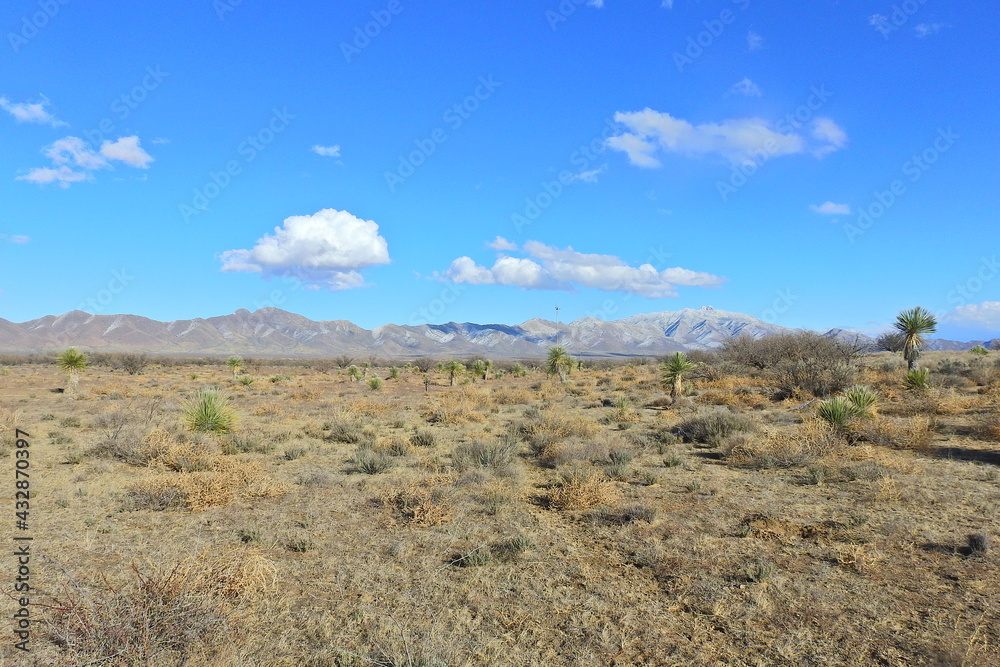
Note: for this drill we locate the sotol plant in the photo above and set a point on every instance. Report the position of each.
(674, 369)
(209, 411)
(914, 324)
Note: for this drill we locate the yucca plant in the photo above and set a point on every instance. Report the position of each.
(914, 324)
(209, 411)
(375, 384)
(559, 362)
(980, 351)
(674, 369)
(73, 361)
(454, 369)
(235, 364)
(355, 373)
(838, 412)
(246, 380)
(864, 398)
(917, 379)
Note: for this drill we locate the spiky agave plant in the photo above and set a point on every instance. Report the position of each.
(864, 398)
(209, 411)
(917, 379)
(674, 369)
(838, 412)
(914, 324)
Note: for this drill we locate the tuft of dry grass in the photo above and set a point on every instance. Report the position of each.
(585, 489)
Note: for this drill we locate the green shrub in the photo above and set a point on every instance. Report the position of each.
(864, 398)
(209, 411)
(917, 379)
(838, 412)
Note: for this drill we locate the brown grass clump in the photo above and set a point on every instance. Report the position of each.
(237, 574)
(582, 490)
(561, 424)
(268, 409)
(367, 407)
(229, 480)
(454, 408)
(784, 448)
(424, 504)
(906, 433)
(511, 396)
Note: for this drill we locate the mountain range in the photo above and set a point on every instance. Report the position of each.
(271, 332)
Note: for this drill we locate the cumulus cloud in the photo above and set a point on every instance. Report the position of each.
(127, 150)
(648, 132)
(325, 250)
(30, 112)
(589, 176)
(745, 87)
(500, 243)
(550, 268)
(327, 151)
(829, 208)
(73, 160)
(754, 41)
(985, 314)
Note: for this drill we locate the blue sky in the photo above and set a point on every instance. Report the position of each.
(410, 162)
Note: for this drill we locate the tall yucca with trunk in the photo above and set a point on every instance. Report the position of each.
(914, 324)
(73, 361)
(559, 362)
(674, 369)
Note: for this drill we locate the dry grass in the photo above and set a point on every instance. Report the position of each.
(520, 522)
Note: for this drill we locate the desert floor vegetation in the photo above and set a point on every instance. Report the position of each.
(509, 515)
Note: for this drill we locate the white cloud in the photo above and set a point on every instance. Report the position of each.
(827, 131)
(127, 150)
(589, 176)
(596, 3)
(500, 243)
(19, 239)
(736, 139)
(159, 141)
(551, 268)
(74, 161)
(30, 112)
(745, 87)
(62, 175)
(985, 314)
(829, 208)
(927, 29)
(669, 4)
(327, 151)
(755, 42)
(327, 249)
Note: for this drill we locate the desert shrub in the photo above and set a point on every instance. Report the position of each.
(838, 412)
(423, 438)
(582, 489)
(804, 361)
(784, 448)
(903, 433)
(375, 384)
(917, 380)
(496, 454)
(209, 411)
(372, 461)
(627, 514)
(158, 618)
(133, 363)
(228, 480)
(348, 431)
(245, 443)
(420, 504)
(711, 427)
(129, 438)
